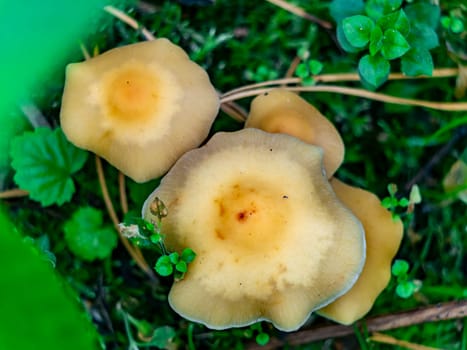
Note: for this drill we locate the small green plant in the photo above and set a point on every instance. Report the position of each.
(307, 69)
(405, 287)
(262, 73)
(148, 336)
(149, 234)
(393, 203)
(387, 32)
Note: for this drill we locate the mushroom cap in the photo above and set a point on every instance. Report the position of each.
(266, 227)
(383, 236)
(139, 106)
(282, 111)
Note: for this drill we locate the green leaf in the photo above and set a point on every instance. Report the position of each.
(403, 202)
(423, 13)
(417, 62)
(44, 161)
(188, 255)
(315, 67)
(163, 266)
(340, 9)
(343, 42)
(181, 266)
(87, 237)
(400, 267)
(378, 8)
(423, 37)
(394, 44)
(395, 20)
(374, 70)
(174, 257)
(162, 337)
(405, 289)
(376, 40)
(357, 30)
(262, 339)
(33, 296)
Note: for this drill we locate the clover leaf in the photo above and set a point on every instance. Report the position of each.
(87, 237)
(44, 161)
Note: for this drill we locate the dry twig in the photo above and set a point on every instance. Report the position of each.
(300, 12)
(446, 311)
(13, 193)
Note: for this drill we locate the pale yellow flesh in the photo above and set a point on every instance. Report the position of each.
(383, 236)
(282, 111)
(265, 224)
(139, 106)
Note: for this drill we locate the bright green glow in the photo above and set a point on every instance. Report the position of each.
(37, 311)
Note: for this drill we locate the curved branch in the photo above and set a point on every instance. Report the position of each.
(440, 312)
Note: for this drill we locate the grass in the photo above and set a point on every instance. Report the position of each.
(385, 143)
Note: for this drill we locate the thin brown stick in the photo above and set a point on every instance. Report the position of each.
(386, 339)
(300, 12)
(341, 77)
(13, 193)
(122, 192)
(433, 313)
(443, 106)
(134, 252)
(234, 111)
(122, 16)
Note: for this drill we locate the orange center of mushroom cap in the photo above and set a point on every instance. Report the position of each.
(138, 97)
(251, 216)
(132, 94)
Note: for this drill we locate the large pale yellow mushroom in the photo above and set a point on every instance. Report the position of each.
(383, 236)
(272, 240)
(140, 106)
(282, 111)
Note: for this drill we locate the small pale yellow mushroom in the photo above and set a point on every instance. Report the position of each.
(272, 240)
(139, 106)
(383, 236)
(282, 111)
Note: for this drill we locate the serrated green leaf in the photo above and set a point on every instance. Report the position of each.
(394, 44)
(340, 9)
(374, 70)
(87, 237)
(343, 42)
(44, 161)
(423, 37)
(395, 20)
(357, 30)
(376, 40)
(423, 13)
(417, 62)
